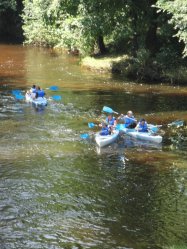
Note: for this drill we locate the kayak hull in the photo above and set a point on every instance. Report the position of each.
(103, 141)
(146, 136)
(40, 101)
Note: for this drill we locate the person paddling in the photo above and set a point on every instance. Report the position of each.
(108, 125)
(111, 120)
(105, 129)
(128, 119)
(31, 93)
(39, 92)
(33, 89)
(142, 126)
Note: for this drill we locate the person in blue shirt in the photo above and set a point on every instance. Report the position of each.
(142, 126)
(39, 92)
(33, 89)
(128, 119)
(105, 129)
(108, 125)
(31, 93)
(111, 120)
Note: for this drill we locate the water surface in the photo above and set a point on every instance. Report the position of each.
(59, 191)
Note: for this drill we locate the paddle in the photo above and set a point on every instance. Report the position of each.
(56, 97)
(92, 125)
(16, 92)
(120, 127)
(125, 116)
(19, 96)
(176, 123)
(109, 110)
(53, 88)
(84, 136)
(153, 129)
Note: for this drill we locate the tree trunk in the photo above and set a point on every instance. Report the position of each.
(151, 40)
(101, 45)
(135, 45)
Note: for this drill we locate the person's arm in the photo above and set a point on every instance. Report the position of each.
(138, 127)
(146, 127)
(120, 117)
(115, 122)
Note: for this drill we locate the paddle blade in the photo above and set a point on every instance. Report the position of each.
(16, 92)
(91, 125)
(19, 96)
(108, 109)
(120, 127)
(56, 97)
(154, 129)
(84, 136)
(177, 123)
(53, 88)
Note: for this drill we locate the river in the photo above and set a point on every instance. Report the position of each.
(61, 191)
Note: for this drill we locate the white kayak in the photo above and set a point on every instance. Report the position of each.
(40, 101)
(104, 140)
(146, 136)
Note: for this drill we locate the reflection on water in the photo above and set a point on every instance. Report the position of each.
(59, 191)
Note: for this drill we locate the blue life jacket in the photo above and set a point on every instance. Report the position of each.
(41, 93)
(111, 121)
(142, 128)
(33, 90)
(105, 131)
(129, 121)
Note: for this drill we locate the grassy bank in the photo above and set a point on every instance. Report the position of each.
(140, 69)
(102, 63)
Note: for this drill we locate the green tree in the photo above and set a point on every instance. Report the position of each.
(92, 25)
(178, 18)
(34, 26)
(7, 4)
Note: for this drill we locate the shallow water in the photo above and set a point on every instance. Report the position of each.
(59, 191)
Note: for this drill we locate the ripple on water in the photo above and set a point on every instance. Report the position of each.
(36, 212)
(58, 191)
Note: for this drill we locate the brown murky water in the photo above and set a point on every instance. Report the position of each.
(59, 191)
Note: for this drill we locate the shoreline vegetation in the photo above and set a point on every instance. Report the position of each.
(129, 68)
(145, 41)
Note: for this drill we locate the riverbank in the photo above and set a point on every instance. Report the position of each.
(137, 69)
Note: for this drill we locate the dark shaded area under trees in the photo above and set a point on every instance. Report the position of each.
(11, 23)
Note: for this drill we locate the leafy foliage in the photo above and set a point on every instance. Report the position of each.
(153, 33)
(7, 4)
(178, 11)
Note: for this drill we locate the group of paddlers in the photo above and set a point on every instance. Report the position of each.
(128, 120)
(35, 92)
(109, 123)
